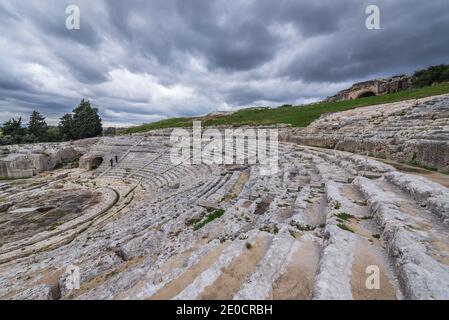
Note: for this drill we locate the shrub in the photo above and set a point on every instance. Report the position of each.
(431, 75)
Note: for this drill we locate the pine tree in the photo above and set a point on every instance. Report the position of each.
(83, 123)
(86, 121)
(66, 127)
(13, 128)
(37, 126)
(13, 131)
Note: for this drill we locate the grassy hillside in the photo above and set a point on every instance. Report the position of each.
(297, 116)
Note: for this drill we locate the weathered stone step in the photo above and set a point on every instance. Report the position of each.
(349, 249)
(225, 272)
(414, 247)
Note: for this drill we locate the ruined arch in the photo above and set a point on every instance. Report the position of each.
(365, 94)
(96, 162)
(91, 161)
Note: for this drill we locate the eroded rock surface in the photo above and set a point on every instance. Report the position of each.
(29, 160)
(414, 132)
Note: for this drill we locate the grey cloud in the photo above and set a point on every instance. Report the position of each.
(412, 36)
(152, 59)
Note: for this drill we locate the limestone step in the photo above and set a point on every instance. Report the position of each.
(413, 237)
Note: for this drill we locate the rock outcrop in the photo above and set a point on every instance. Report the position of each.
(376, 87)
(28, 161)
(92, 160)
(413, 132)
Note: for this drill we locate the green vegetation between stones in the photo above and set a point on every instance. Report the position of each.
(344, 227)
(344, 216)
(209, 218)
(302, 227)
(270, 229)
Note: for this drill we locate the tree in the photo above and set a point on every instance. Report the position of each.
(37, 126)
(13, 128)
(66, 127)
(53, 134)
(13, 131)
(431, 75)
(86, 121)
(83, 123)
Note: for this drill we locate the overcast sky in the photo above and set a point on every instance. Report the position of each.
(145, 60)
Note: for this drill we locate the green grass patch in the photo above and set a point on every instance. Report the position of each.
(344, 216)
(168, 123)
(209, 218)
(296, 116)
(344, 227)
(15, 179)
(415, 163)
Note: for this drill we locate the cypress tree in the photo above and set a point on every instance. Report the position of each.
(37, 126)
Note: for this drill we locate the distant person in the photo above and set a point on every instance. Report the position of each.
(112, 163)
(116, 159)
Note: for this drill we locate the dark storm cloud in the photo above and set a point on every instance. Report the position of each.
(412, 35)
(240, 41)
(141, 60)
